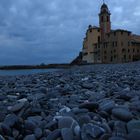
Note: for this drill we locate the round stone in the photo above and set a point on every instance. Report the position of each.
(1, 137)
(16, 107)
(92, 131)
(134, 135)
(10, 120)
(69, 122)
(89, 106)
(116, 138)
(122, 114)
(133, 124)
(54, 135)
(6, 129)
(105, 137)
(84, 119)
(30, 125)
(107, 105)
(30, 137)
(67, 134)
(38, 133)
(15, 133)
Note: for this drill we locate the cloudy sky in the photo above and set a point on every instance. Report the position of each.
(51, 31)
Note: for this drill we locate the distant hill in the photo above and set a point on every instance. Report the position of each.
(77, 60)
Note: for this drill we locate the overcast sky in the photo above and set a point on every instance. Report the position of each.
(52, 31)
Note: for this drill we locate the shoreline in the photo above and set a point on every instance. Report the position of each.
(28, 67)
(56, 66)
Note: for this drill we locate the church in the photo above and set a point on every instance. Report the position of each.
(104, 45)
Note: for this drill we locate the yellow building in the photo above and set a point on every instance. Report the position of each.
(103, 45)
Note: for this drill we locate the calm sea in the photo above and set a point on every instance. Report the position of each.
(25, 72)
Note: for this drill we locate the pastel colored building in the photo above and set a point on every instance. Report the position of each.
(104, 45)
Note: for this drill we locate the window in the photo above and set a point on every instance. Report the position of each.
(129, 56)
(114, 56)
(133, 50)
(107, 18)
(105, 57)
(102, 19)
(123, 50)
(105, 52)
(95, 46)
(113, 44)
(116, 43)
(98, 39)
(124, 56)
(85, 53)
(128, 50)
(105, 45)
(138, 51)
(121, 32)
(128, 43)
(111, 59)
(114, 50)
(114, 33)
(90, 30)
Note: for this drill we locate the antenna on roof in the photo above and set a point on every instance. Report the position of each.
(103, 1)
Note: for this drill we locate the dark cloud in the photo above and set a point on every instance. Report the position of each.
(36, 31)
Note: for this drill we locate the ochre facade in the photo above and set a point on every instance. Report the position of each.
(103, 45)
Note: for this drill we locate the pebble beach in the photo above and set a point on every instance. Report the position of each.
(94, 102)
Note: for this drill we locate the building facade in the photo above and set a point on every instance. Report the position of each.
(104, 45)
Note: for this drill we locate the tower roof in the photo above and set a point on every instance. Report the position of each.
(104, 9)
(104, 6)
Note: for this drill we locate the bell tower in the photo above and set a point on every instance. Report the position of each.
(104, 21)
